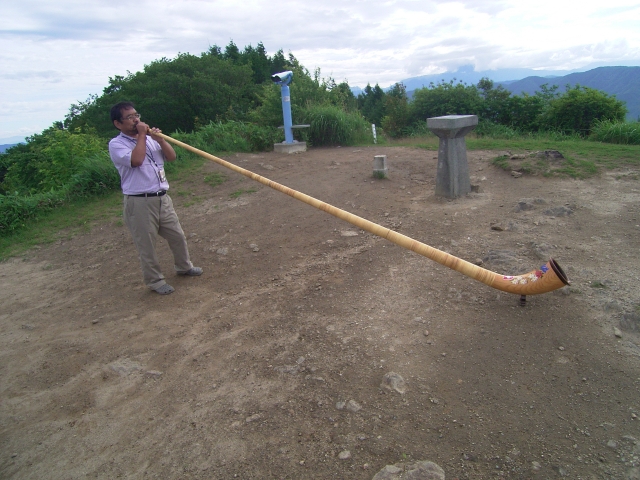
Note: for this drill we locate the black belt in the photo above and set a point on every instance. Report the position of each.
(154, 194)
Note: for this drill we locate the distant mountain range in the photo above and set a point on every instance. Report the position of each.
(623, 82)
(9, 142)
(3, 148)
(468, 75)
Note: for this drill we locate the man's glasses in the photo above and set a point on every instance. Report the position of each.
(132, 116)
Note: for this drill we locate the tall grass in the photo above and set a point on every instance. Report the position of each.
(97, 177)
(331, 125)
(496, 130)
(16, 210)
(417, 129)
(624, 133)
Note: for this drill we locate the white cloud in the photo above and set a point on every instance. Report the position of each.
(58, 53)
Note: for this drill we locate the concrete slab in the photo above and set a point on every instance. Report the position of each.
(452, 122)
(290, 147)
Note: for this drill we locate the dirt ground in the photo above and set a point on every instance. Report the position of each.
(270, 365)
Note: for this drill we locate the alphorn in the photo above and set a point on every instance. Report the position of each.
(547, 278)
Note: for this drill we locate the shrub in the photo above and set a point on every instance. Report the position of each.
(579, 108)
(523, 112)
(96, 176)
(233, 136)
(48, 161)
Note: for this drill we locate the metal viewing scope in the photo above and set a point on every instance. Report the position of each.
(282, 78)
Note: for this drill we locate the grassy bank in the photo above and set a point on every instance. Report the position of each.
(76, 217)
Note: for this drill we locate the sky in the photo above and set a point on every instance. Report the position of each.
(54, 53)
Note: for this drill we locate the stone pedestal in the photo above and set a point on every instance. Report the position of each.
(380, 169)
(452, 179)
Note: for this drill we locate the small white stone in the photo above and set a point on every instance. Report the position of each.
(353, 406)
(344, 455)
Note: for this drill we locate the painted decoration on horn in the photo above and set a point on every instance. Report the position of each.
(528, 277)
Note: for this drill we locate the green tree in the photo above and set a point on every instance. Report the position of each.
(446, 98)
(371, 104)
(231, 52)
(174, 94)
(520, 112)
(259, 62)
(214, 51)
(495, 102)
(396, 107)
(341, 95)
(189, 91)
(579, 108)
(278, 62)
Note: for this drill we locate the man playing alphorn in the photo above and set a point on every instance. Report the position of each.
(139, 155)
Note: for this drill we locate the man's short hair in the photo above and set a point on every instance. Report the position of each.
(116, 110)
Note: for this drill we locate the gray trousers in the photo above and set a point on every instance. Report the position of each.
(146, 218)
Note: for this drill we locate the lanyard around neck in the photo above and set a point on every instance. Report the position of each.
(146, 149)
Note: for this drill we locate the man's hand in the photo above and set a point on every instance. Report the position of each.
(153, 132)
(167, 150)
(142, 128)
